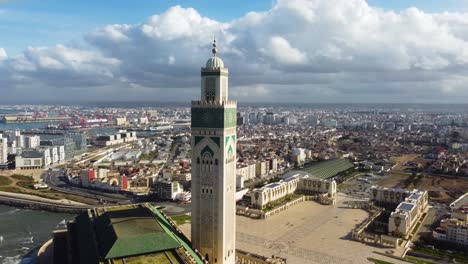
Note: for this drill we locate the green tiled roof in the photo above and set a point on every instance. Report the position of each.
(329, 168)
(168, 227)
(131, 232)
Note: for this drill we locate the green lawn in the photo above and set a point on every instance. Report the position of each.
(460, 257)
(41, 193)
(25, 184)
(280, 202)
(378, 261)
(417, 260)
(22, 178)
(10, 189)
(5, 181)
(182, 219)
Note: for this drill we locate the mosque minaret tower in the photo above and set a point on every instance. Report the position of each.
(214, 166)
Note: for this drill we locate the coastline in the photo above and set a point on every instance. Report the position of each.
(37, 203)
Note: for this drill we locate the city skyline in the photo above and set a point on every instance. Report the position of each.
(326, 51)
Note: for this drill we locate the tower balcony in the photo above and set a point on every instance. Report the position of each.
(214, 104)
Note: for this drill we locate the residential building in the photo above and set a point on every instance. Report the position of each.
(3, 151)
(32, 142)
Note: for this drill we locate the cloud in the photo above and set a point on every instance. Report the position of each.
(299, 50)
(3, 54)
(280, 50)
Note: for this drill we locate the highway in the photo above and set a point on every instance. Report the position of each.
(54, 181)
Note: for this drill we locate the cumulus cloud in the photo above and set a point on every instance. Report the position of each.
(299, 50)
(3, 54)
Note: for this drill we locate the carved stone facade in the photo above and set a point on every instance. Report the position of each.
(214, 166)
(304, 184)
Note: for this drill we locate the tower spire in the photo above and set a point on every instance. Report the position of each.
(214, 50)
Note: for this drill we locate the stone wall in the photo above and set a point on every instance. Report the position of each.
(244, 257)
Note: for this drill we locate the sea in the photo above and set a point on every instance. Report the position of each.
(23, 231)
(40, 126)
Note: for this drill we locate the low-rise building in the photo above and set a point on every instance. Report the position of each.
(261, 169)
(3, 151)
(167, 189)
(246, 170)
(30, 160)
(32, 142)
(119, 138)
(410, 207)
(297, 183)
(452, 230)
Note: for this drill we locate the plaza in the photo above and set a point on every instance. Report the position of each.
(307, 233)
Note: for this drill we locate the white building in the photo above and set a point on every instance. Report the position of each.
(304, 184)
(411, 206)
(119, 138)
(452, 230)
(383, 196)
(299, 155)
(214, 139)
(61, 153)
(247, 171)
(120, 121)
(54, 154)
(261, 169)
(30, 160)
(167, 189)
(455, 228)
(32, 142)
(19, 139)
(143, 120)
(3, 151)
(46, 156)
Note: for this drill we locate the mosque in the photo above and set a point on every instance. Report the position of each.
(141, 233)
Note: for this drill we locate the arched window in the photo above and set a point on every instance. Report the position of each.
(198, 160)
(216, 161)
(210, 89)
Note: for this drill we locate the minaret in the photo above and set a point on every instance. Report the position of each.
(214, 166)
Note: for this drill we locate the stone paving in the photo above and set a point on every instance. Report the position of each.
(307, 233)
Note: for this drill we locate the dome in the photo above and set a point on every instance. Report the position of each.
(214, 62)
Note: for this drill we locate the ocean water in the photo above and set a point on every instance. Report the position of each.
(23, 231)
(22, 126)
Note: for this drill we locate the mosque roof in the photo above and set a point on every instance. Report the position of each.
(214, 62)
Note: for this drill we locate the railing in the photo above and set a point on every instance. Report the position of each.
(215, 103)
(244, 257)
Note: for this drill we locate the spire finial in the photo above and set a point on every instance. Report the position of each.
(214, 50)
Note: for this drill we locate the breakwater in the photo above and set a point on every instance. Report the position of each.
(42, 205)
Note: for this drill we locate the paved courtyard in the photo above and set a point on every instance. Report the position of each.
(307, 233)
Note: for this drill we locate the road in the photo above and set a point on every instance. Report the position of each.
(54, 181)
(100, 152)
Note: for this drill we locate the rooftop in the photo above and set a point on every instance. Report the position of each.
(328, 169)
(129, 234)
(405, 206)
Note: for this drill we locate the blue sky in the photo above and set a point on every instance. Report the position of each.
(283, 50)
(26, 23)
